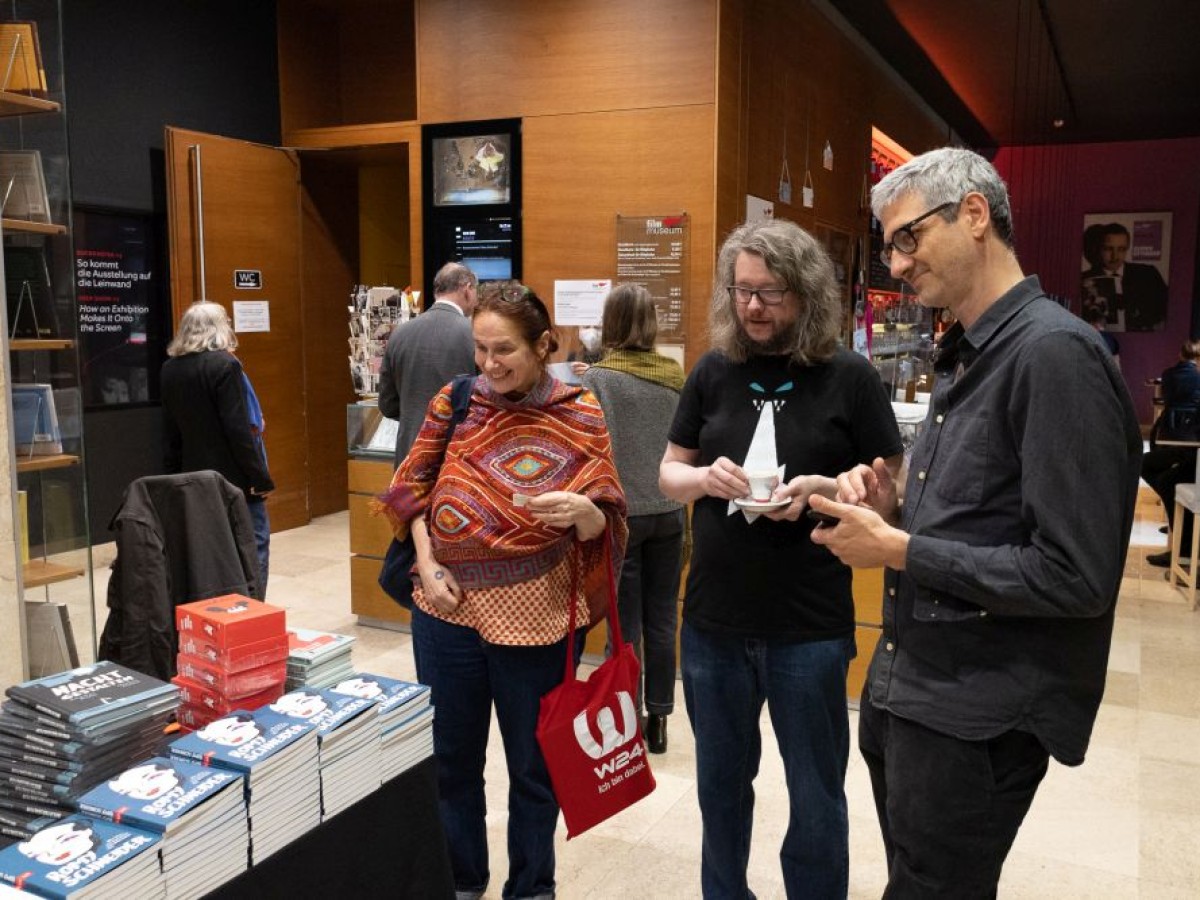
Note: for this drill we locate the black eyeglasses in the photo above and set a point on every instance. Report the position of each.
(904, 238)
(766, 296)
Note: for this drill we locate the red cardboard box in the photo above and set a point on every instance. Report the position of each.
(232, 686)
(191, 718)
(237, 658)
(230, 621)
(208, 700)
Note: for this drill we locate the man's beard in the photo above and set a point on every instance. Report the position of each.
(781, 342)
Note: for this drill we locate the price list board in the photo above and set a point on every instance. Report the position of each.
(653, 251)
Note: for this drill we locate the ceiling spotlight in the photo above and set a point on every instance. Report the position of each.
(1059, 123)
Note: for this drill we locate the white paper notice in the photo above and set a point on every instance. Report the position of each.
(580, 302)
(251, 315)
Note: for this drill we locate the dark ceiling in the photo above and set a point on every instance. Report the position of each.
(1000, 72)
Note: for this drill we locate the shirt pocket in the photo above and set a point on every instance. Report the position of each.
(962, 459)
(935, 606)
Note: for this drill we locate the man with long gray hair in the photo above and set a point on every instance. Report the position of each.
(1004, 561)
(768, 616)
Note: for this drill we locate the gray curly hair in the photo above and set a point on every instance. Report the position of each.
(799, 261)
(203, 326)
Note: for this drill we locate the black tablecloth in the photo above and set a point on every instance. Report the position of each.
(389, 844)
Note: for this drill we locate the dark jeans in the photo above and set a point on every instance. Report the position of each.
(648, 603)
(1164, 468)
(726, 680)
(949, 809)
(262, 541)
(467, 676)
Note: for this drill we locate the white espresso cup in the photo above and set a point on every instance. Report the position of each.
(762, 484)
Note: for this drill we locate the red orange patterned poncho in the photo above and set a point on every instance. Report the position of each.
(516, 573)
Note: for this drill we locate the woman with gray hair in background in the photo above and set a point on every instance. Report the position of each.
(768, 614)
(638, 389)
(212, 418)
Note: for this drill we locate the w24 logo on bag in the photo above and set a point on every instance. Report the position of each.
(612, 740)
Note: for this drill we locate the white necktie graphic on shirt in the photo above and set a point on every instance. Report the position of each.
(761, 456)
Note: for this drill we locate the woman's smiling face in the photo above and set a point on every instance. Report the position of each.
(511, 363)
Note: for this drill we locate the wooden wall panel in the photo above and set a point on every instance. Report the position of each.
(484, 59)
(582, 170)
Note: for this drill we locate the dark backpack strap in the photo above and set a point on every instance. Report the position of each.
(460, 401)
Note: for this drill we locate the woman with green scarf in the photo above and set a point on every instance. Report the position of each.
(639, 390)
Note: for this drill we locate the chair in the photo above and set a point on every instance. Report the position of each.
(179, 538)
(1184, 573)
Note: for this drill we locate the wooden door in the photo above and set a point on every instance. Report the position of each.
(243, 200)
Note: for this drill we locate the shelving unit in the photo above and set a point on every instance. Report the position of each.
(46, 546)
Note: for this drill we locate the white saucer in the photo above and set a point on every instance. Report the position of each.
(760, 505)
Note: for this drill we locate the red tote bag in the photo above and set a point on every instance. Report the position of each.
(590, 734)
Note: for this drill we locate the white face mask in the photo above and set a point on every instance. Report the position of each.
(589, 336)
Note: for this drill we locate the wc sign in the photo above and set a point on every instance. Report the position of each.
(247, 279)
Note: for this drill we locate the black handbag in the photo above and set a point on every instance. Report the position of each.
(395, 577)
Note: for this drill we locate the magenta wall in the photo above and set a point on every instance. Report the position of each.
(1052, 187)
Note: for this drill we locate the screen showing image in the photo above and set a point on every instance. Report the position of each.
(469, 171)
(484, 247)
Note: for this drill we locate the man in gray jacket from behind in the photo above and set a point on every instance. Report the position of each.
(426, 352)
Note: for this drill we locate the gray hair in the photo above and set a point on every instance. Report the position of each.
(452, 277)
(799, 261)
(204, 326)
(947, 175)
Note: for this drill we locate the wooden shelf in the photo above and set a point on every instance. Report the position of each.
(39, 573)
(21, 104)
(37, 463)
(32, 227)
(41, 344)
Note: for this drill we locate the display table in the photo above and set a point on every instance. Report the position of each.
(388, 845)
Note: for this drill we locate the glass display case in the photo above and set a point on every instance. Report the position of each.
(48, 554)
(369, 434)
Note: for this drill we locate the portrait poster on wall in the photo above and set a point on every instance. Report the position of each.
(1126, 264)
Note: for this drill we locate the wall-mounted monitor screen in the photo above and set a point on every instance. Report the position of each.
(485, 246)
(472, 170)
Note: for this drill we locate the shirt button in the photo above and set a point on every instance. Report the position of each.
(921, 475)
(939, 419)
(890, 647)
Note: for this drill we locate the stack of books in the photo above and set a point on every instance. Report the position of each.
(78, 856)
(198, 812)
(63, 734)
(232, 655)
(317, 659)
(348, 736)
(278, 757)
(405, 719)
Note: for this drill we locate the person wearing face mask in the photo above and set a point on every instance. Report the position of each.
(513, 521)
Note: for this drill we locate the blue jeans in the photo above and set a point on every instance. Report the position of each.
(726, 679)
(262, 541)
(647, 602)
(467, 676)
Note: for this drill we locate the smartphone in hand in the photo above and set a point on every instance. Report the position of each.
(821, 518)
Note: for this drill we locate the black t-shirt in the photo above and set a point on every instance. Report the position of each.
(768, 579)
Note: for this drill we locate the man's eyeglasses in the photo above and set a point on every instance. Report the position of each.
(904, 238)
(766, 296)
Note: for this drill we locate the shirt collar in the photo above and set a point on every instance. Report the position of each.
(962, 345)
(450, 303)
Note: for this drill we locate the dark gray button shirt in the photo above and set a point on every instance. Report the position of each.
(1019, 502)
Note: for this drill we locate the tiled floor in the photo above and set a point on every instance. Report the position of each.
(1125, 824)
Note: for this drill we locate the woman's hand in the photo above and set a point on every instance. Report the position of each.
(563, 509)
(438, 585)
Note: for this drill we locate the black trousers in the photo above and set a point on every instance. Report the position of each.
(949, 809)
(1165, 467)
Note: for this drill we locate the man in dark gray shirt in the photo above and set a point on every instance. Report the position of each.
(1005, 558)
(425, 353)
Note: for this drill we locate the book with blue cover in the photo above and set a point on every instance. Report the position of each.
(392, 695)
(164, 795)
(244, 741)
(77, 852)
(92, 694)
